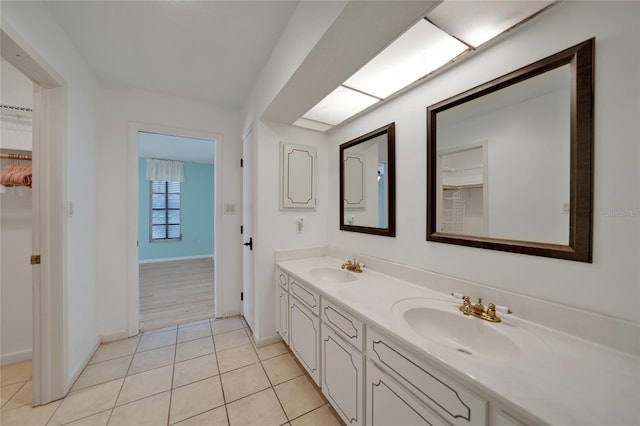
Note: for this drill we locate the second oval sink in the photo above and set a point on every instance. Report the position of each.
(441, 322)
(333, 274)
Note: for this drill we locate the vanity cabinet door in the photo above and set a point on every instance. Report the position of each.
(388, 403)
(305, 294)
(344, 323)
(449, 399)
(342, 377)
(282, 314)
(304, 337)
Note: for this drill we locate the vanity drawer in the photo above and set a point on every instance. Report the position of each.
(445, 396)
(342, 322)
(308, 297)
(282, 278)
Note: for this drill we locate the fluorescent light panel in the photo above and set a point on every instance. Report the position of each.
(419, 51)
(313, 125)
(476, 22)
(339, 105)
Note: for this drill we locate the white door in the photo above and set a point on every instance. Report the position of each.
(247, 229)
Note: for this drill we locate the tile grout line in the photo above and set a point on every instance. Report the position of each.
(224, 398)
(273, 387)
(173, 372)
(125, 377)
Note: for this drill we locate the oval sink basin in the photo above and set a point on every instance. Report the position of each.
(441, 322)
(333, 274)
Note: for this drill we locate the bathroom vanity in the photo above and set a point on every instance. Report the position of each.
(386, 351)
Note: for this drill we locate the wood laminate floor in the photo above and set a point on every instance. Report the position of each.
(175, 292)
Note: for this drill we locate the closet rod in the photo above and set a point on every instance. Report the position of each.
(16, 108)
(23, 157)
(15, 112)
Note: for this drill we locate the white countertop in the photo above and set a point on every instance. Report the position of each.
(560, 379)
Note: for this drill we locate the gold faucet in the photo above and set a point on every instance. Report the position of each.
(478, 310)
(352, 266)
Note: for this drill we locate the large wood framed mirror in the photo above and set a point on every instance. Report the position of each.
(367, 183)
(510, 162)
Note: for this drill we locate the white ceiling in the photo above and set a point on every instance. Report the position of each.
(211, 51)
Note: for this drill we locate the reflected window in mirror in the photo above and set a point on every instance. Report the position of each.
(367, 183)
(510, 162)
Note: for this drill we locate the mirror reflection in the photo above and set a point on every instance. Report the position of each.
(510, 162)
(503, 162)
(366, 183)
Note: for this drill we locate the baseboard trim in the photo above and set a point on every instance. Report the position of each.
(18, 356)
(268, 340)
(113, 336)
(171, 259)
(74, 376)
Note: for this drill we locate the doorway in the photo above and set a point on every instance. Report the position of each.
(47, 225)
(175, 207)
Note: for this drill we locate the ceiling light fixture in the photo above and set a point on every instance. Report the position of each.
(477, 22)
(416, 53)
(339, 105)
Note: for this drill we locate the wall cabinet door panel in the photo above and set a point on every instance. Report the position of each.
(342, 377)
(298, 176)
(304, 337)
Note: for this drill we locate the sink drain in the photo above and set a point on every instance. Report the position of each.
(464, 351)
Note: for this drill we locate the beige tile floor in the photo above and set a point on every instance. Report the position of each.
(203, 373)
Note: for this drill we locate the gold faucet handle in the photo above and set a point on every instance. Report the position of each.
(465, 308)
(491, 313)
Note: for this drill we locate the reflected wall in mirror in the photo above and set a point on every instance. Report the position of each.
(510, 161)
(367, 183)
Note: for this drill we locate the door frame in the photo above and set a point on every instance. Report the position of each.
(247, 306)
(133, 285)
(50, 342)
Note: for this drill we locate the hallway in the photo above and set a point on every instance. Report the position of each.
(203, 373)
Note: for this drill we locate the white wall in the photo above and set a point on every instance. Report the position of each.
(611, 284)
(119, 107)
(276, 229)
(34, 24)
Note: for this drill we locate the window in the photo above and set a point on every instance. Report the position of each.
(165, 210)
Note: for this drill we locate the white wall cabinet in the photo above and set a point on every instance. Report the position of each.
(342, 377)
(298, 171)
(304, 337)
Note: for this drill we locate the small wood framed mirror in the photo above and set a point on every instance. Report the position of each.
(367, 183)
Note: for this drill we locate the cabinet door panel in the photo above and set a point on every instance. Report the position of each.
(283, 314)
(449, 399)
(390, 404)
(304, 337)
(282, 278)
(342, 377)
(308, 297)
(344, 323)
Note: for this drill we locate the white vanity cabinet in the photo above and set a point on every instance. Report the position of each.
(388, 403)
(282, 304)
(304, 327)
(444, 396)
(342, 363)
